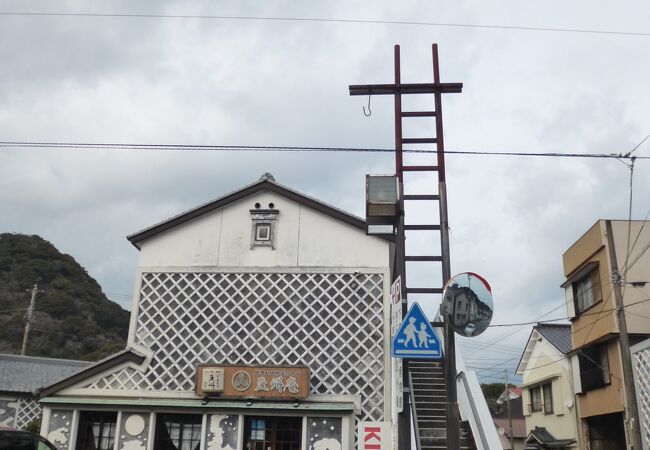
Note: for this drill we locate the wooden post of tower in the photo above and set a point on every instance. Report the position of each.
(397, 89)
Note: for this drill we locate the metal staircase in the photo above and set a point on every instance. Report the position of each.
(428, 396)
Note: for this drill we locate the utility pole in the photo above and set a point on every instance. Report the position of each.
(631, 410)
(512, 437)
(30, 317)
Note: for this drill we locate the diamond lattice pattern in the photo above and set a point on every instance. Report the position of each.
(641, 363)
(332, 323)
(28, 410)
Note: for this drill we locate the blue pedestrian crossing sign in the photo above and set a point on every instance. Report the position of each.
(416, 337)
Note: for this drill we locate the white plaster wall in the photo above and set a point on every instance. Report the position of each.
(193, 243)
(562, 423)
(304, 238)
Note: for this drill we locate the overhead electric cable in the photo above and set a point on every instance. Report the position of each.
(326, 20)
(566, 318)
(510, 333)
(289, 148)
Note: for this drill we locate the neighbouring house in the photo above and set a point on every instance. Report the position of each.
(20, 379)
(502, 421)
(540, 437)
(607, 265)
(260, 320)
(548, 395)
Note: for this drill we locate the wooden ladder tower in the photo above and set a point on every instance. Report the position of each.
(397, 90)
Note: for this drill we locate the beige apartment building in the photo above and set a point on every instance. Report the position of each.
(596, 266)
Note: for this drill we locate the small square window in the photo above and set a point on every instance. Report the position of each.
(263, 232)
(263, 229)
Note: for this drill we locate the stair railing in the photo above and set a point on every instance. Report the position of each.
(414, 414)
(474, 409)
(465, 383)
(471, 402)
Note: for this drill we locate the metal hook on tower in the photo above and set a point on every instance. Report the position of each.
(369, 113)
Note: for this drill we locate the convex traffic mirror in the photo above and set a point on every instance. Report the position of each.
(467, 304)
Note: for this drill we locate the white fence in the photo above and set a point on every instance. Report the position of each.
(641, 365)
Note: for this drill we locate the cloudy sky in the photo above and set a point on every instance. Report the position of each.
(276, 82)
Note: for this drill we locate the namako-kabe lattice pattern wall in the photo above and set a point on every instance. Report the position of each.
(28, 411)
(331, 322)
(641, 367)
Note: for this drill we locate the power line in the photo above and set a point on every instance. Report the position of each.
(510, 333)
(289, 148)
(330, 20)
(566, 318)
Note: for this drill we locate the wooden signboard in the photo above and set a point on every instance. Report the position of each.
(256, 382)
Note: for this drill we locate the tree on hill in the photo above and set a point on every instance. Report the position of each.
(492, 391)
(73, 318)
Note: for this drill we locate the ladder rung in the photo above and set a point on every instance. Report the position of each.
(419, 168)
(421, 197)
(419, 140)
(423, 290)
(423, 258)
(418, 113)
(422, 227)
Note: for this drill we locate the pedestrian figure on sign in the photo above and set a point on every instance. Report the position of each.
(423, 335)
(410, 331)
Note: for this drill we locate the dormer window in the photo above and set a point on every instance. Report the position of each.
(263, 225)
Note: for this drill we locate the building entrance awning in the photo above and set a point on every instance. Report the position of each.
(239, 406)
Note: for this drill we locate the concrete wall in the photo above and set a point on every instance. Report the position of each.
(599, 320)
(593, 246)
(304, 238)
(637, 269)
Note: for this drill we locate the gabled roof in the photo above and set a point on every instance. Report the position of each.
(540, 437)
(265, 183)
(558, 335)
(515, 393)
(27, 374)
(126, 355)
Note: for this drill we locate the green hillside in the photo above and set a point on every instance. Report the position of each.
(73, 318)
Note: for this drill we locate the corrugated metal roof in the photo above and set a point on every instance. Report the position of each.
(558, 335)
(29, 373)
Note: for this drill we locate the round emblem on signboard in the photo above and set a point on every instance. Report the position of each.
(241, 381)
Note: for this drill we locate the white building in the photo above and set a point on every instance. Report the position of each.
(548, 392)
(264, 282)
